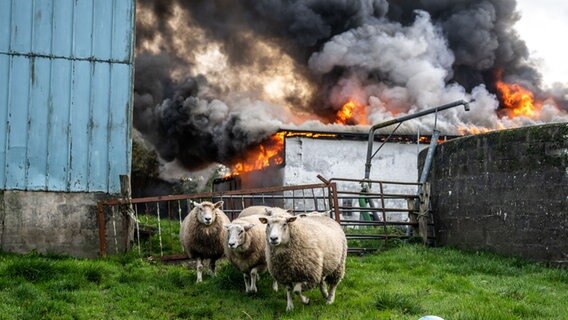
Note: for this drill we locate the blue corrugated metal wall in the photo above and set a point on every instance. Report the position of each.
(66, 70)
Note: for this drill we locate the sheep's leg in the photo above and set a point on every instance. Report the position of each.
(323, 289)
(199, 270)
(298, 291)
(247, 286)
(289, 302)
(253, 279)
(212, 270)
(331, 296)
(274, 285)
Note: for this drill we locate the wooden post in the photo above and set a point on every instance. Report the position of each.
(424, 212)
(102, 230)
(335, 202)
(413, 215)
(127, 212)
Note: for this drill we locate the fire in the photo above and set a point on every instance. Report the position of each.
(270, 152)
(351, 113)
(472, 130)
(261, 156)
(310, 135)
(518, 101)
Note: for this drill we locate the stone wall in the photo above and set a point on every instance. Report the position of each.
(504, 191)
(51, 222)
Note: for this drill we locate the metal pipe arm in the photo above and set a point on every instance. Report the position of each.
(377, 126)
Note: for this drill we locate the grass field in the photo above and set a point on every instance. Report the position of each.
(404, 282)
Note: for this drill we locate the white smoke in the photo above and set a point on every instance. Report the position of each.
(397, 70)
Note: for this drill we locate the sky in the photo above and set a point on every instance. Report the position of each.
(543, 26)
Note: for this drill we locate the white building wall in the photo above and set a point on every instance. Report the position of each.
(308, 157)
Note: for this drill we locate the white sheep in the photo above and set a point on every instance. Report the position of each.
(314, 214)
(253, 210)
(245, 248)
(202, 233)
(302, 253)
(263, 211)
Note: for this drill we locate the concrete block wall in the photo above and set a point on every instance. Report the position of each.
(52, 222)
(504, 191)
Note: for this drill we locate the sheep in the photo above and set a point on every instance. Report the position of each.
(314, 214)
(302, 253)
(202, 233)
(262, 211)
(253, 210)
(245, 248)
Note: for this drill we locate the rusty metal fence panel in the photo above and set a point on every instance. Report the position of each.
(392, 211)
(370, 219)
(151, 225)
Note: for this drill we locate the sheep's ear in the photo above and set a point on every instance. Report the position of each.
(196, 204)
(218, 205)
(248, 227)
(290, 211)
(302, 215)
(268, 211)
(263, 220)
(291, 219)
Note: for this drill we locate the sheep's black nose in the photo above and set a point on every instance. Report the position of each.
(273, 239)
(231, 244)
(207, 219)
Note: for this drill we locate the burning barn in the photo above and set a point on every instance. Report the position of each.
(207, 92)
(293, 157)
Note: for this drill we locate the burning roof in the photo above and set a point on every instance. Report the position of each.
(216, 78)
(270, 152)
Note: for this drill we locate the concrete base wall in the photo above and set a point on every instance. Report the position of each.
(49, 222)
(505, 192)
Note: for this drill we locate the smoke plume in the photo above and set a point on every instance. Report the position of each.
(217, 77)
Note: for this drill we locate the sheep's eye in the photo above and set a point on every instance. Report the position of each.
(241, 232)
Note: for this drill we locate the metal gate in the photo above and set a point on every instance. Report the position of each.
(371, 220)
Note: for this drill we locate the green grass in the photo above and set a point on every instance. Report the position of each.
(170, 245)
(150, 244)
(377, 244)
(405, 282)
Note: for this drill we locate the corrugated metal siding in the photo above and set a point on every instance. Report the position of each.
(66, 71)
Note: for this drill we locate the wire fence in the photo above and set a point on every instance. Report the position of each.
(371, 218)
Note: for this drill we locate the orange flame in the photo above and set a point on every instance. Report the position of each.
(518, 101)
(471, 130)
(351, 113)
(268, 153)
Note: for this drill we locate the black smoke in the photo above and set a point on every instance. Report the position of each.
(189, 119)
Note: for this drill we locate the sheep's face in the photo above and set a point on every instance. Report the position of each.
(205, 212)
(236, 235)
(273, 212)
(277, 229)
